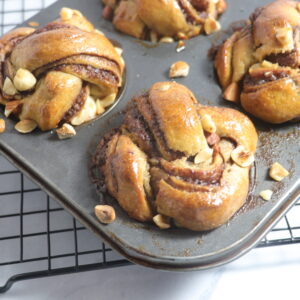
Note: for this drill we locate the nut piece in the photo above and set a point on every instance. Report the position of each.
(179, 69)
(164, 87)
(11, 106)
(182, 36)
(25, 126)
(242, 157)
(266, 194)
(33, 24)
(278, 172)
(105, 213)
(87, 112)
(161, 221)
(208, 124)
(66, 131)
(119, 50)
(285, 37)
(153, 36)
(2, 125)
(66, 13)
(231, 93)
(298, 7)
(99, 107)
(108, 100)
(180, 46)
(8, 87)
(211, 26)
(166, 39)
(226, 147)
(24, 80)
(204, 155)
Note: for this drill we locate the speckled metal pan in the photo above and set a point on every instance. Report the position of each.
(61, 167)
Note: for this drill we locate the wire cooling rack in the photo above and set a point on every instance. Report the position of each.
(37, 237)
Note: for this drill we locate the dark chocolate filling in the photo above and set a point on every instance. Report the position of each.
(154, 128)
(76, 107)
(288, 59)
(137, 126)
(91, 72)
(265, 77)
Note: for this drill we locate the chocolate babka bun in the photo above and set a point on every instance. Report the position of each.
(258, 65)
(154, 19)
(175, 158)
(70, 64)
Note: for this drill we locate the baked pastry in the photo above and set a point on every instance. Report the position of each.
(260, 63)
(154, 19)
(65, 72)
(174, 159)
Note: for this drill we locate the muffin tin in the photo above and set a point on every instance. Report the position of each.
(61, 167)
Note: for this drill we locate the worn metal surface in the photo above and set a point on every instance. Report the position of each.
(61, 167)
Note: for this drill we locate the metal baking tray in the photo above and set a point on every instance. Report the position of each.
(61, 167)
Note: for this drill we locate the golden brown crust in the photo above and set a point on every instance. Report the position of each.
(207, 209)
(164, 18)
(177, 119)
(199, 193)
(126, 170)
(233, 125)
(63, 57)
(270, 42)
(53, 97)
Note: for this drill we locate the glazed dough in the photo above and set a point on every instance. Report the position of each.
(67, 57)
(150, 164)
(262, 60)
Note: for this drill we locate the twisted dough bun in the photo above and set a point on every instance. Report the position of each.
(261, 61)
(173, 18)
(73, 64)
(162, 161)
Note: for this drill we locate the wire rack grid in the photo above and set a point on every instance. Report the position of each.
(37, 237)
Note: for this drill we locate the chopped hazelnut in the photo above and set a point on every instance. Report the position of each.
(119, 50)
(179, 69)
(161, 221)
(108, 100)
(2, 125)
(182, 36)
(204, 156)
(278, 172)
(11, 106)
(164, 87)
(24, 80)
(266, 194)
(8, 87)
(208, 124)
(153, 36)
(66, 13)
(231, 93)
(105, 213)
(180, 46)
(166, 39)
(242, 157)
(285, 37)
(33, 24)
(226, 147)
(99, 107)
(211, 26)
(66, 131)
(25, 126)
